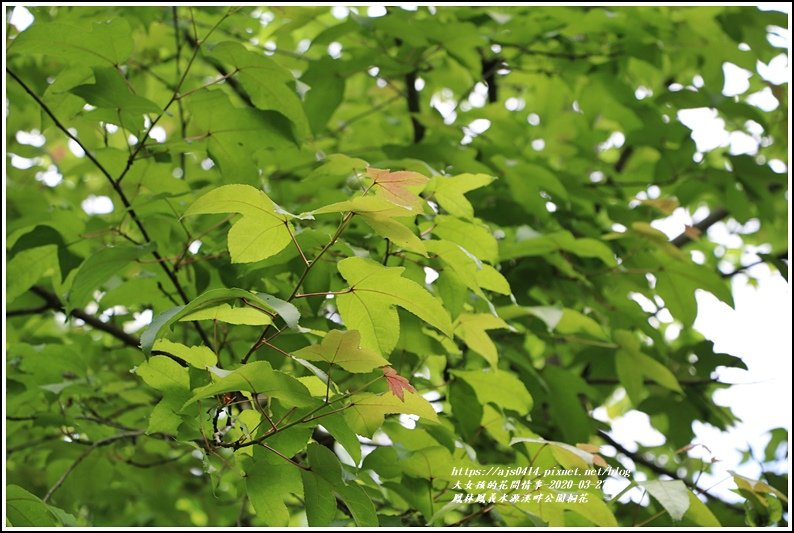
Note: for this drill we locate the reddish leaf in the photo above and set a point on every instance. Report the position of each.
(393, 185)
(397, 383)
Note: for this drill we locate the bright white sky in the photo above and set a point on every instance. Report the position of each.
(758, 330)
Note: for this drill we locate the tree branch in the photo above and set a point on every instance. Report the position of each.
(651, 465)
(686, 237)
(225, 74)
(412, 96)
(262, 338)
(26, 312)
(86, 453)
(783, 256)
(119, 191)
(52, 302)
(488, 72)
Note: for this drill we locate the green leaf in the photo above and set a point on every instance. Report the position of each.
(326, 464)
(450, 191)
(672, 494)
(262, 232)
(164, 374)
(566, 390)
(107, 43)
(677, 281)
(337, 426)
(396, 232)
(700, 514)
(267, 485)
(258, 377)
(575, 322)
(564, 453)
(318, 498)
(109, 90)
(463, 264)
(26, 268)
(471, 328)
(343, 349)
(474, 238)
(100, 267)
(359, 504)
(164, 417)
(173, 380)
(231, 315)
(370, 205)
(374, 290)
(326, 89)
(26, 510)
(491, 279)
(632, 365)
(210, 299)
(434, 462)
(366, 411)
(529, 243)
(596, 511)
(41, 235)
(265, 81)
(236, 136)
(498, 387)
(196, 356)
(756, 486)
(538, 178)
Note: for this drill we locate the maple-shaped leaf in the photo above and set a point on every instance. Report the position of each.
(380, 214)
(393, 185)
(343, 349)
(369, 304)
(264, 229)
(397, 383)
(366, 411)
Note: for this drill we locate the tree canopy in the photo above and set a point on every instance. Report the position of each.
(322, 266)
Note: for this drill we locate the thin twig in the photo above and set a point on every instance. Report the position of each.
(86, 453)
(298, 246)
(639, 459)
(263, 337)
(116, 187)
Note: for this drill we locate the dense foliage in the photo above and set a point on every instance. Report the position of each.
(367, 250)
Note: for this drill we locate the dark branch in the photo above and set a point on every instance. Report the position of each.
(220, 69)
(783, 256)
(119, 191)
(489, 68)
(52, 302)
(412, 96)
(651, 465)
(86, 453)
(26, 312)
(625, 154)
(701, 227)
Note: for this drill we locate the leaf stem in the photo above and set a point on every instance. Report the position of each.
(325, 293)
(86, 453)
(328, 383)
(270, 448)
(298, 246)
